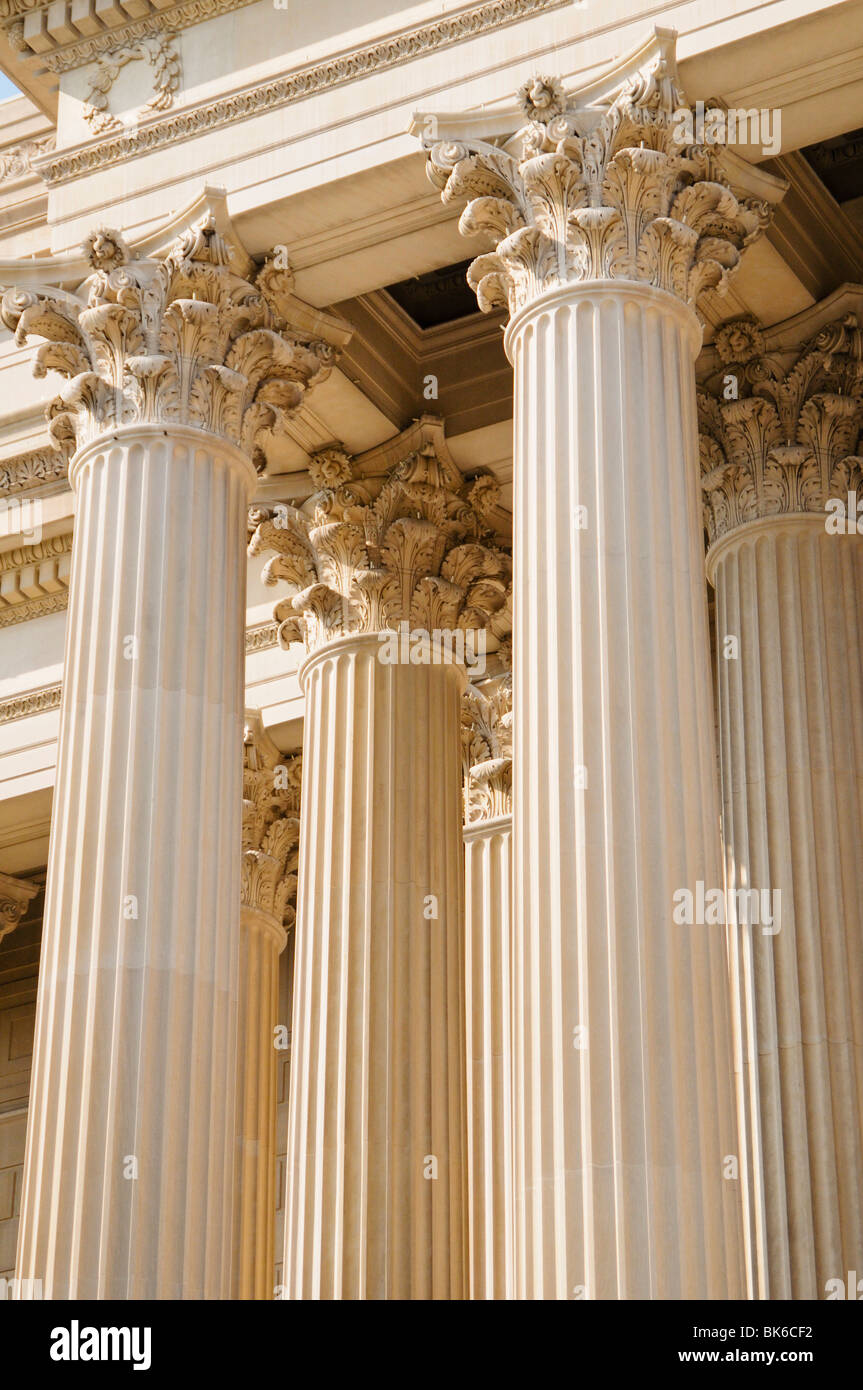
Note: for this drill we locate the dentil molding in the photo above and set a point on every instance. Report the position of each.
(41, 28)
(34, 579)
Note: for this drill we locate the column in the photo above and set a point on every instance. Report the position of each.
(271, 833)
(386, 574)
(780, 430)
(174, 367)
(625, 1130)
(487, 734)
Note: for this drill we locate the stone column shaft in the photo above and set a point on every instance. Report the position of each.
(270, 837)
(394, 577)
(623, 1097)
(792, 759)
(261, 941)
(607, 221)
(488, 1009)
(376, 1181)
(178, 369)
(779, 429)
(127, 1178)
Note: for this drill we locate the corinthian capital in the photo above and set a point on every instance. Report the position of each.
(364, 554)
(271, 824)
(16, 894)
(179, 339)
(602, 183)
(779, 427)
(486, 740)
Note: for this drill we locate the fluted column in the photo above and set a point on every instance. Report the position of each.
(174, 367)
(779, 435)
(622, 1079)
(271, 828)
(386, 575)
(487, 735)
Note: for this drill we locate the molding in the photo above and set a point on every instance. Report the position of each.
(33, 608)
(16, 160)
(23, 555)
(811, 232)
(389, 358)
(35, 579)
(284, 91)
(58, 58)
(32, 470)
(261, 636)
(47, 697)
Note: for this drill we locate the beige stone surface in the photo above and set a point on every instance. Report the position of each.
(244, 304)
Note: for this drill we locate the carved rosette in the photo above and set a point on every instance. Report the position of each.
(179, 340)
(419, 545)
(16, 894)
(608, 190)
(787, 443)
(271, 825)
(486, 730)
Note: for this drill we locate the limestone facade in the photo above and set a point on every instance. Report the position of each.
(431, 779)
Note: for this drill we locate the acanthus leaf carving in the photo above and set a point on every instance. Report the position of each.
(271, 825)
(611, 190)
(16, 894)
(179, 340)
(367, 555)
(786, 443)
(486, 739)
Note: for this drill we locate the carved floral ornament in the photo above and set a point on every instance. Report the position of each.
(606, 190)
(486, 730)
(271, 825)
(164, 60)
(419, 545)
(786, 440)
(16, 894)
(182, 340)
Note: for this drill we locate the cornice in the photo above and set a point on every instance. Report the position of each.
(34, 31)
(303, 82)
(35, 579)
